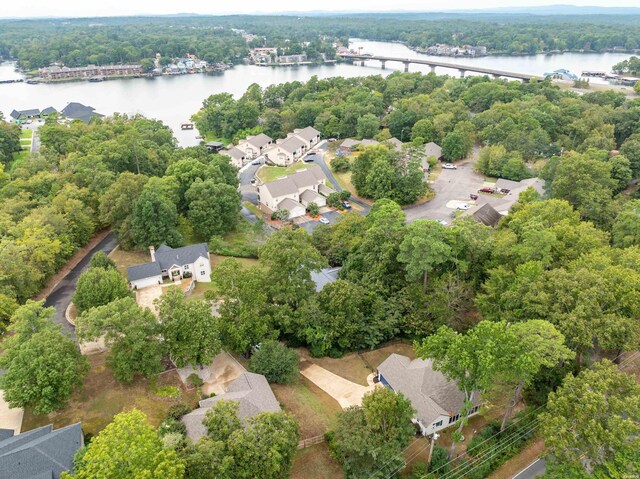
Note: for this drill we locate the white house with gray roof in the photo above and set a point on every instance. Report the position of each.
(437, 400)
(238, 157)
(287, 151)
(309, 135)
(191, 261)
(250, 390)
(42, 453)
(255, 146)
(294, 192)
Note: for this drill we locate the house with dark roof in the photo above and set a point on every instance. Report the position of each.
(251, 391)
(48, 111)
(214, 146)
(42, 453)
(487, 215)
(255, 146)
(21, 115)
(294, 192)
(78, 111)
(191, 261)
(436, 400)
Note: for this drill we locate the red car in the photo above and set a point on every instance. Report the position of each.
(487, 190)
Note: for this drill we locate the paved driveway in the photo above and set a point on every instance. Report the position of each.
(535, 469)
(332, 216)
(145, 297)
(10, 418)
(61, 296)
(347, 393)
(451, 187)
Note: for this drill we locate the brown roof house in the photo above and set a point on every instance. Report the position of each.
(251, 391)
(437, 401)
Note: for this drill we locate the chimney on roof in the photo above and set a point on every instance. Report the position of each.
(152, 252)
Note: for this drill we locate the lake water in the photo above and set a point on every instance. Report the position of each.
(174, 99)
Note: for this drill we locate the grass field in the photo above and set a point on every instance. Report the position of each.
(101, 397)
(315, 462)
(24, 133)
(271, 173)
(124, 259)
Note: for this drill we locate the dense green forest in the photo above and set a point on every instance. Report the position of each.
(77, 42)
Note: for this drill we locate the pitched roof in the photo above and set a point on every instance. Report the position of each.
(291, 144)
(259, 140)
(167, 256)
(48, 111)
(309, 133)
(430, 393)
(310, 196)
(292, 184)
(40, 453)
(351, 143)
(75, 109)
(141, 271)
(507, 184)
(289, 204)
(487, 215)
(325, 190)
(253, 394)
(18, 113)
(432, 149)
(397, 144)
(235, 153)
(324, 277)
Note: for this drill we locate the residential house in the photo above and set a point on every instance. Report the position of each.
(191, 261)
(487, 215)
(437, 400)
(57, 72)
(21, 115)
(287, 151)
(309, 135)
(324, 277)
(251, 391)
(348, 145)
(78, 111)
(48, 111)
(255, 146)
(42, 453)
(294, 192)
(433, 149)
(394, 143)
(238, 157)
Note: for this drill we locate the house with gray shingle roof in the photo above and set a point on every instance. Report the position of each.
(250, 390)
(294, 192)
(39, 453)
(433, 149)
(436, 400)
(238, 157)
(287, 151)
(255, 146)
(78, 111)
(309, 135)
(191, 261)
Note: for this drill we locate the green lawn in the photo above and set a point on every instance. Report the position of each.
(253, 208)
(270, 173)
(26, 134)
(19, 157)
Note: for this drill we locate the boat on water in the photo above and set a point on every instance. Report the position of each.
(96, 79)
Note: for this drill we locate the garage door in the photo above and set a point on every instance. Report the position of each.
(144, 282)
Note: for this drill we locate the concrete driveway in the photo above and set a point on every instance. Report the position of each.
(10, 418)
(347, 393)
(331, 215)
(452, 187)
(145, 297)
(217, 375)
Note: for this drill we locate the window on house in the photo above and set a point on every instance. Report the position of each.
(202, 273)
(439, 423)
(186, 266)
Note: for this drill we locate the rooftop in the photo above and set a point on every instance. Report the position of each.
(292, 184)
(166, 257)
(253, 393)
(259, 140)
(309, 133)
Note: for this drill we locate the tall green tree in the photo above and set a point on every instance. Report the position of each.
(137, 447)
(190, 331)
(626, 227)
(99, 286)
(424, 248)
(214, 208)
(591, 421)
(221, 420)
(131, 333)
(276, 362)
(154, 220)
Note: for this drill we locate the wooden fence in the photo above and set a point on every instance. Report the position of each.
(310, 441)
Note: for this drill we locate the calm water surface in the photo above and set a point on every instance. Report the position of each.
(174, 99)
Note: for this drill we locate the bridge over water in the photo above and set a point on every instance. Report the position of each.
(434, 64)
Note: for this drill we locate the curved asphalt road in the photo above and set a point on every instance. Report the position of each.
(61, 296)
(535, 469)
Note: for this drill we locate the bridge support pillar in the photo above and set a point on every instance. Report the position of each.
(406, 67)
(462, 72)
(383, 63)
(433, 68)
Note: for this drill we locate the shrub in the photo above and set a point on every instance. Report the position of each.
(313, 209)
(340, 164)
(97, 287)
(101, 260)
(176, 411)
(170, 426)
(334, 200)
(439, 460)
(195, 380)
(345, 195)
(276, 362)
(173, 440)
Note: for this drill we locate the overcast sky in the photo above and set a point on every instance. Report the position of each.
(85, 8)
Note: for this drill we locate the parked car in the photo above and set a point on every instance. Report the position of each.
(443, 222)
(309, 158)
(504, 191)
(487, 190)
(253, 181)
(464, 206)
(331, 140)
(346, 205)
(449, 166)
(473, 197)
(256, 162)
(324, 220)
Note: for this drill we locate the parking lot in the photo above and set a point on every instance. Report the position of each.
(452, 188)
